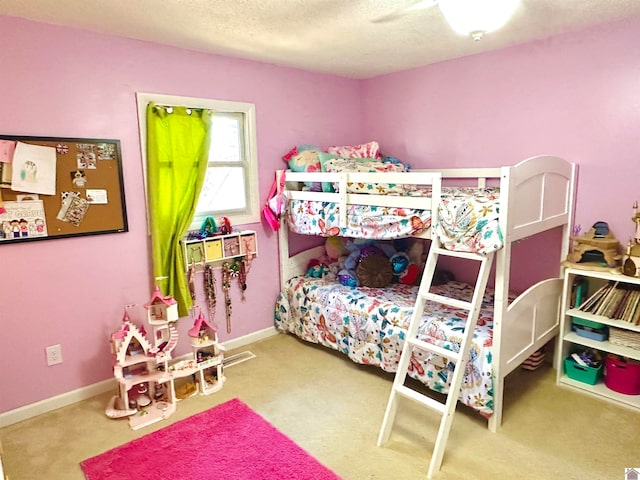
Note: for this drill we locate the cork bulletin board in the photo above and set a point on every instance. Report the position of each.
(60, 187)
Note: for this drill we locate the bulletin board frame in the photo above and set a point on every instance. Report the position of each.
(60, 187)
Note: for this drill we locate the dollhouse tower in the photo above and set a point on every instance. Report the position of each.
(208, 355)
(162, 313)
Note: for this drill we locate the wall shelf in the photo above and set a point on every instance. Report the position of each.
(220, 248)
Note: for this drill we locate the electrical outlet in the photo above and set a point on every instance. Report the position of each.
(54, 355)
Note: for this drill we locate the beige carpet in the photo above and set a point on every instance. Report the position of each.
(333, 409)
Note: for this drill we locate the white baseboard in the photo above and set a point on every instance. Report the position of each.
(84, 393)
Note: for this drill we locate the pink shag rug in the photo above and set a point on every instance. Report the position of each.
(227, 442)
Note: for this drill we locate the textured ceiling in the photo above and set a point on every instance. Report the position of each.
(342, 37)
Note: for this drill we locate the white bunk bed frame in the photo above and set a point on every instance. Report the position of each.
(536, 195)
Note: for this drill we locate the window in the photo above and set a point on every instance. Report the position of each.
(231, 184)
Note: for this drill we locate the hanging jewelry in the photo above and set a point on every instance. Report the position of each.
(226, 285)
(242, 278)
(191, 278)
(210, 290)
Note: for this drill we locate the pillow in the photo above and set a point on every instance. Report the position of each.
(306, 161)
(365, 150)
(375, 271)
(325, 157)
(295, 150)
(352, 165)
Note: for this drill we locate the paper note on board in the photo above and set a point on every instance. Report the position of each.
(97, 196)
(34, 169)
(7, 147)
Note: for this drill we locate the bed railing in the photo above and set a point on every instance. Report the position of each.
(296, 180)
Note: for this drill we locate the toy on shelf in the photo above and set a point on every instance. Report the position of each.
(597, 248)
(631, 263)
(144, 369)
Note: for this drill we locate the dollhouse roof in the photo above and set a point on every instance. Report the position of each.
(197, 325)
(157, 297)
(123, 337)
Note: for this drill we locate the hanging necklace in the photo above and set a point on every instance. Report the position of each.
(192, 281)
(242, 278)
(226, 284)
(210, 290)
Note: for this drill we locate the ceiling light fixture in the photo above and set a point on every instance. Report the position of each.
(477, 17)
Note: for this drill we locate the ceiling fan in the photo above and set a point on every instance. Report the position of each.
(474, 18)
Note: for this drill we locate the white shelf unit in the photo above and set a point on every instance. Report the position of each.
(569, 339)
(220, 248)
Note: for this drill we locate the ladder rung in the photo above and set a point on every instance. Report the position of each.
(430, 347)
(421, 398)
(448, 301)
(455, 253)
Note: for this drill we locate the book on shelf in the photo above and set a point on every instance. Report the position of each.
(614, 302)
(620, 304)
(590, 303)
(628, 306)
(635, 318)
(604, 304)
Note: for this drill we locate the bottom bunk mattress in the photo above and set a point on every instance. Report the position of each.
(369, 325)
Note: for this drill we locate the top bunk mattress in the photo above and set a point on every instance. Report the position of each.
(468, 219)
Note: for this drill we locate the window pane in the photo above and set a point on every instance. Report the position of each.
(223, 190)
(226, 138)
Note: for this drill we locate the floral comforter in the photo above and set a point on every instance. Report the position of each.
(467, 220)
(369, 326)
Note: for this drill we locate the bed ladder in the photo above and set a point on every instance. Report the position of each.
(447, 409)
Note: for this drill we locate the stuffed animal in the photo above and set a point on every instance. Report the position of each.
(306, 161)
(318, 271)
(348, 278)
(335, 248)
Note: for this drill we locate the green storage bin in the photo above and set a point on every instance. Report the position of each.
(587, 323)
(581, 373)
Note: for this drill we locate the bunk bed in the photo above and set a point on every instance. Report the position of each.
(368, 324)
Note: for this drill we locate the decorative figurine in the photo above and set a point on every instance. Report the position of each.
(631, 263)
(598, 246)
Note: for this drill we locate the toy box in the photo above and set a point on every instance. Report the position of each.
(622, 375)
(584, 374)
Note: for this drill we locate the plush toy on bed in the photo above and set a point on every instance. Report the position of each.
(304, 158)
(366, 265)
(347, 275)
(335, 247)
(405, 260)
(316, 269)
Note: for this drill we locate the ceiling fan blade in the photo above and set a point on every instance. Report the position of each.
(411, 6)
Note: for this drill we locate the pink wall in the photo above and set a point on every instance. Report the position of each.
(70, 83)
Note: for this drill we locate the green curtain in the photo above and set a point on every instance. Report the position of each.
(177, 157)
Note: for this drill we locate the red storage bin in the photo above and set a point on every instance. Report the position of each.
(621, 376)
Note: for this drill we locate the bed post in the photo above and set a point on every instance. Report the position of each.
(501, 300)
(568, 226)
(283, 241)
(567, 231)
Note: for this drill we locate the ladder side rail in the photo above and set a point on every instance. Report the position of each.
(458, 372)
(416, 316)
(403, 365)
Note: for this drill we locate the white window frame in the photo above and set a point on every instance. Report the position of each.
(250, 144)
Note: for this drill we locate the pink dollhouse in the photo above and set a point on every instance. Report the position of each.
(144, 369)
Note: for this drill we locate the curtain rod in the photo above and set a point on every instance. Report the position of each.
(169, 108)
